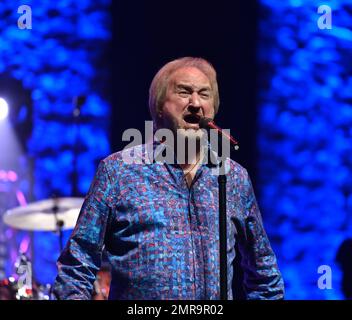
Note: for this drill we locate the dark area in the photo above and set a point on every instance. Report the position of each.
(344, 259)
(148, 34)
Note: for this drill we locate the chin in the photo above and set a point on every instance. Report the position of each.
(190, 133)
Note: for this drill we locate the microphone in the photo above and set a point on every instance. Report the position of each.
(207, 123)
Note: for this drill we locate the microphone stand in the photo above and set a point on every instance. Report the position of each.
(208, 123)
(222, 180)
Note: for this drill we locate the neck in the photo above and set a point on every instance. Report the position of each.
(192, 161)
(188, 150)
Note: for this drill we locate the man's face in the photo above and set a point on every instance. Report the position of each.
(188, 97)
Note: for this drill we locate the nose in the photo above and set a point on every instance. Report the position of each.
(195, 100)
(193, 109)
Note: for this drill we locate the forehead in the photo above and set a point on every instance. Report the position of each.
(190, 76)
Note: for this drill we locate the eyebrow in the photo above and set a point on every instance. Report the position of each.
(190, 87)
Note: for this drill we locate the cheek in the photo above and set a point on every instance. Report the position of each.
(209, 111)
(174, 107)
(171, 114)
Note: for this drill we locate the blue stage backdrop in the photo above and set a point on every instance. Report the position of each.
(61, 57)
(304, 122)
(304, 139)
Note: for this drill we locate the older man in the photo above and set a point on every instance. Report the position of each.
(158, 221)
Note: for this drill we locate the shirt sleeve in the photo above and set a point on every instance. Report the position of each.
(81, 258)
(261, 276)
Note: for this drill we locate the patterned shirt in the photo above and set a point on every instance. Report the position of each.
(161, 237)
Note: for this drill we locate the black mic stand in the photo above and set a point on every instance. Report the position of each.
(222, 231)
(207, 123)
(222, 180)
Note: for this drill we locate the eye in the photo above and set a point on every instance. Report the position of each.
(205, 95)
(183, 93)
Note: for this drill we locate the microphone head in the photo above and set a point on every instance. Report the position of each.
(204, 122)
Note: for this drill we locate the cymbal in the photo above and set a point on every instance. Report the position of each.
(40, 215)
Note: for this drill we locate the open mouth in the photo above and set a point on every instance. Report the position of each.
(191, 118)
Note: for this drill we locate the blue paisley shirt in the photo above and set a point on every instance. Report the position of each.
(161, 237)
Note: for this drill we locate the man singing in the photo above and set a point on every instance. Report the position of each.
(157, 221)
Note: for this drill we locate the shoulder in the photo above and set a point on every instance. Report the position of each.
(235, 167)
(238, 173)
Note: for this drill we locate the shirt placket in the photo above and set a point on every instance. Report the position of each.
(196, 237)
(198, 285)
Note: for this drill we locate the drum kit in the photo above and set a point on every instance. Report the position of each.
(56, 214)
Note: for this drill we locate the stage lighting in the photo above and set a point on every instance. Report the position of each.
(19, 107)
(4, 109)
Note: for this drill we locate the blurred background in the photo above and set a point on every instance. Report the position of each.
(77, 74)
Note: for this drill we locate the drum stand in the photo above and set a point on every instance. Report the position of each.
(25, 279)
(59, 224)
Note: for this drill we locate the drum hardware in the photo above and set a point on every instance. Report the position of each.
(22, 286)
(24, 283)
(56, 215)
(45, 215)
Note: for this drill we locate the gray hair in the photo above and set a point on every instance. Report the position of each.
(160, 83)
